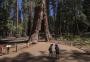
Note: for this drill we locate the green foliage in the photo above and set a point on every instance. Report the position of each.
(66, 37)
(76, 40)
(20, 28)
(10, 26)
(3, 20)
(70, 18)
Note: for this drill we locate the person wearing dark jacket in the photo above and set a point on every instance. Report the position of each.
(57, 51)
(50, 50)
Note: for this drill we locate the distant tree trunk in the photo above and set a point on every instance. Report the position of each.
(17, 16)
(24, 17)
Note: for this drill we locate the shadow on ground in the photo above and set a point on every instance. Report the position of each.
(64, 57)
(26, 57)
(82, 57)
(75, 56)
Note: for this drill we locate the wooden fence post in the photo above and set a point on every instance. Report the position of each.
(16, 47)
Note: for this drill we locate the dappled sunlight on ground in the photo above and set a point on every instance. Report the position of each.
(39, 53)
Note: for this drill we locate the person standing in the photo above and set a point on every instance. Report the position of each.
(53, 50)
(50, 50)
(57, 50)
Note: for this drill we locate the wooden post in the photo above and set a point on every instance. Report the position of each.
(16, 48)
(0, 50)
(8, 48)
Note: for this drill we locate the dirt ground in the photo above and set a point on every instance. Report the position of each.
(39, 53)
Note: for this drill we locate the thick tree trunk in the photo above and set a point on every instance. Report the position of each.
(48, 35)
(30, 19)
(40, 14)
(37, 23)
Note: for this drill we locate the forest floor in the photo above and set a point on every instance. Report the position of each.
(39, 53)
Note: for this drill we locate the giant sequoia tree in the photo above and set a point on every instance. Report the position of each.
(39, 16)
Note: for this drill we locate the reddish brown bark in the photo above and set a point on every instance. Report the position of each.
(40, 14)
(30, 19)
(37, 23)
(48, 35)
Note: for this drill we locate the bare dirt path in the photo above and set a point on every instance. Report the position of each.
(39, 53)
